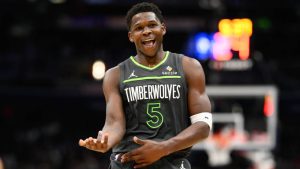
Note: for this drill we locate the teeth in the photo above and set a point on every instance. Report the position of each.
(148, 42)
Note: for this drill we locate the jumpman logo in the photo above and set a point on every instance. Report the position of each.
(182, 166)
(132, 75)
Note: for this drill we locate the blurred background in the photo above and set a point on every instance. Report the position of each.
(53, 54)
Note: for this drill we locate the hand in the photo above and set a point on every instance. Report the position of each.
(149, 152)
(99, 144)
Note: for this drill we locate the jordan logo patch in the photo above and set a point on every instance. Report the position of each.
(132, 75)
(182, 165)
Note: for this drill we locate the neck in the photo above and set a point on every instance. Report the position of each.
(150, 61)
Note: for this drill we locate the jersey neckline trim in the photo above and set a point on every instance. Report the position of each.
(150, 68)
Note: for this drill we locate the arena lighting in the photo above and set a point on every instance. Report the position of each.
(238, 32)
(203, 45)
(235, 27)
(221, 48)
(98, 70)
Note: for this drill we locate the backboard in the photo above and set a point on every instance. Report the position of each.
(244, 118)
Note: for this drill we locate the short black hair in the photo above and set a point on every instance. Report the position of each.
(143, 7)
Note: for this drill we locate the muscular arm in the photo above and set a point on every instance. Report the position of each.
(198, 102)
(115, 120)
(114, 127)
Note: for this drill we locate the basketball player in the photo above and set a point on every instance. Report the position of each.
(157, 108)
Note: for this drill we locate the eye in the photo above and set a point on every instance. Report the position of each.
(138, 28)
(152, 25)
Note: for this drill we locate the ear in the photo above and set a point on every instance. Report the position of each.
(130, 37)
(164, 28)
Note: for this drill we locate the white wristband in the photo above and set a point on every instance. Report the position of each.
(205, 117)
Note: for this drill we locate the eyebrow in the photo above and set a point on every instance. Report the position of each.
(151, 21)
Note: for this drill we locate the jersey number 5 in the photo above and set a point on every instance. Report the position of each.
(156, 118)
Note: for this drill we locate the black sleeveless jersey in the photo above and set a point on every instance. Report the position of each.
(154, 100)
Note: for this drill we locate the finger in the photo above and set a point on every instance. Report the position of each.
(99, 136)
(105, 139)
(138, 141)
(131, 153)
(90, 143)
(92, 147)
(88, 140)
(81, 143)
(87, 143)
(127, 157)
(138, 159)
(135, 158)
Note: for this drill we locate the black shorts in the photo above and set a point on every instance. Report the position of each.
(164, 163)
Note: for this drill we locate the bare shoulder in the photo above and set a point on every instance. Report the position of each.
(191, 66)
(113, 73)
(189, 60)
(112, 77)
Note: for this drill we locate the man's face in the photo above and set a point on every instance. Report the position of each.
(147, 33)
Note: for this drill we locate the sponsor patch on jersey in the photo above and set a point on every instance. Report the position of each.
(169, 71)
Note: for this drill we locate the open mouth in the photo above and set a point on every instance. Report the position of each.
(148, 43)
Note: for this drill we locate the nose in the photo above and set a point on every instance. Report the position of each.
(146, 31)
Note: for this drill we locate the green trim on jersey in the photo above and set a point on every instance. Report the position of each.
(151, 77)
(150, 68)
